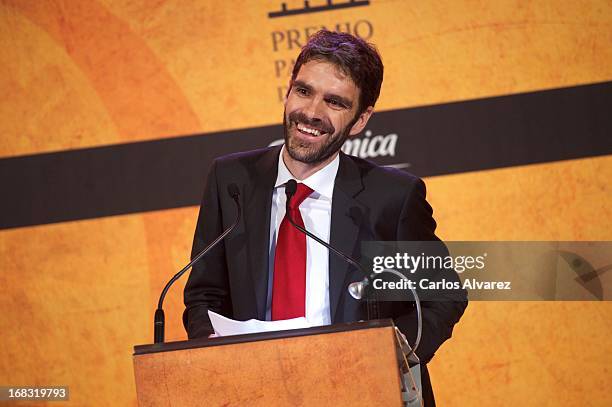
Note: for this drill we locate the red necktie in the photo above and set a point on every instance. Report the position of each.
(289, 289)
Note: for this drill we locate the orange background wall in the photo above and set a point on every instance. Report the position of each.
(78, 295)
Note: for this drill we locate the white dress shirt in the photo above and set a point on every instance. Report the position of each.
(316, 213)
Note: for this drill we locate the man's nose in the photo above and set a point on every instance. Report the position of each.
(314, 109)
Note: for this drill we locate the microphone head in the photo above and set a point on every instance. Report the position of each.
(356, 290)
(290, 187)
(233, 190)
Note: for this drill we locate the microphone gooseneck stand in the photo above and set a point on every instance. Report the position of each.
(159, 323)
(410, 378)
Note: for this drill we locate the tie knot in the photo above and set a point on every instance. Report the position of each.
(302, 192)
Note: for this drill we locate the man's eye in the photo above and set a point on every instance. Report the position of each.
(335, 103)
(301, 91)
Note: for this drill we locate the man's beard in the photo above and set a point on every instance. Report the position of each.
(314, 153)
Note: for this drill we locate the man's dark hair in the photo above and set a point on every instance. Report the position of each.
(352, 55)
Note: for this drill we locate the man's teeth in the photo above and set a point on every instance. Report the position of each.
(308, 130)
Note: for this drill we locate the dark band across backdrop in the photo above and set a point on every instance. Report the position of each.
(483, 134)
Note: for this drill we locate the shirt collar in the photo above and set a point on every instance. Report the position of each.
(322, 181)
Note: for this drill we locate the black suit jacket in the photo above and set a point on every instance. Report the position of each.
(369, 203)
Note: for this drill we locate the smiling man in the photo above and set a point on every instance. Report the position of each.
(321, 111)
(266, 269)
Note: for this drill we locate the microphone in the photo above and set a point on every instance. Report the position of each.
(355, 289)
(290, 188)
(159, 322)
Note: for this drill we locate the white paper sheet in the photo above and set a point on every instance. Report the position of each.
(225, 326)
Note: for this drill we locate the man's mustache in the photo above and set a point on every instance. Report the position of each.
(322, 125)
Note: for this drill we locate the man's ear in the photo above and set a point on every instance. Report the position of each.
(362, 121)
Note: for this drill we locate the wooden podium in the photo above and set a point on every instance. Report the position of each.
(346, 364)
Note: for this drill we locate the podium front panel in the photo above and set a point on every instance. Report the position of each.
(356, 367)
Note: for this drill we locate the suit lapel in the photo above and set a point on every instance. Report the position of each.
(346, 219)
(257, 223)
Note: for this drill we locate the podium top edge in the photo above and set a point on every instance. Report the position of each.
(262, 336)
